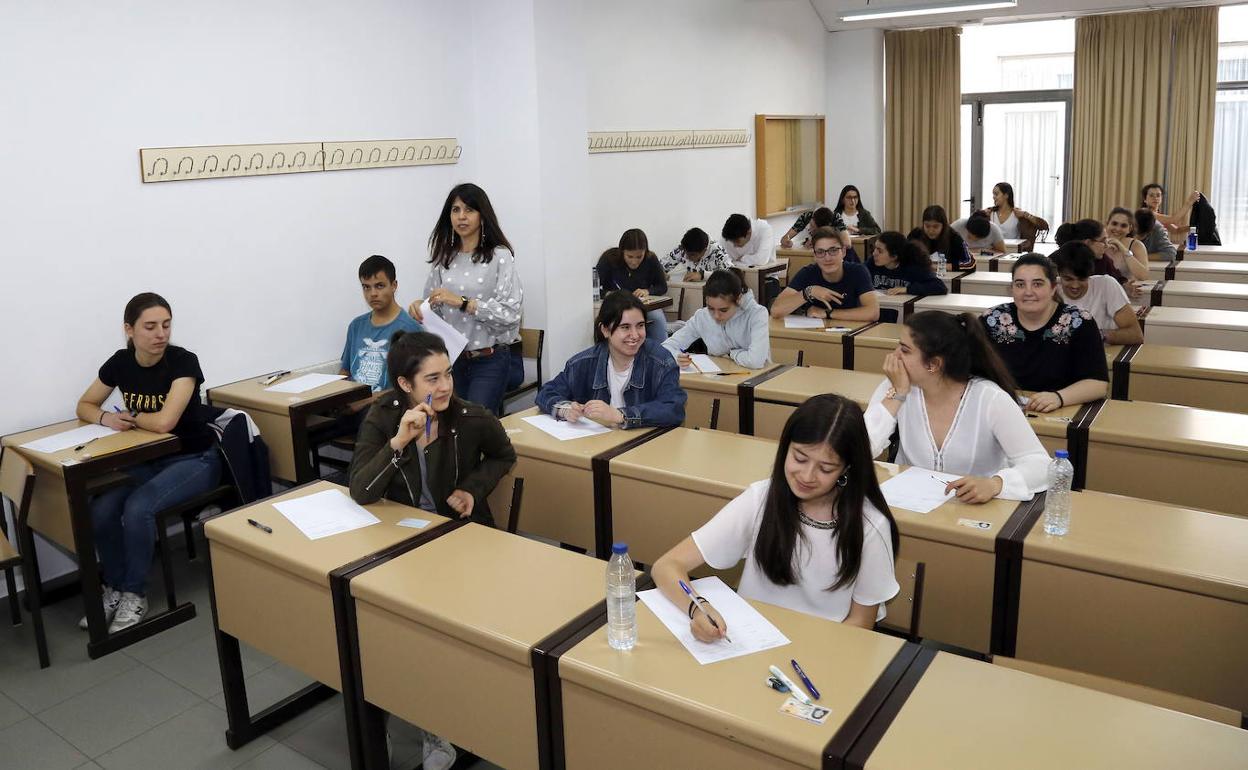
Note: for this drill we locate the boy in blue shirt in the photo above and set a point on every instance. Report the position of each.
(368, 335)
(830, 288)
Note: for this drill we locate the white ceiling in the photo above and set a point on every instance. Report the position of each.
(831, 10)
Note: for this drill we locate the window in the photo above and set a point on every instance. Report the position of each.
(1229, 195)
(1027, 56)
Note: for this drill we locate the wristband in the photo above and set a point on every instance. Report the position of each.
(463, 306)
(101, 419)
(1061, 401)
(693, 604)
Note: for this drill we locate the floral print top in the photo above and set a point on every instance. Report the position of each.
(1064, 351)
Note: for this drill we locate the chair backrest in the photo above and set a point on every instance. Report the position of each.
(532, 343)
(904, 608)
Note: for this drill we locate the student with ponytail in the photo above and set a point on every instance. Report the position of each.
(899, 266)
(950, 397)
(732, 324)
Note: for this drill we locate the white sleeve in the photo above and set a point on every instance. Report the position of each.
(880, 423)
(1028, 468)
(433, 280)
(1115, 297)
(503, 310)
(877, 579)
(758, 352)
(766, 243)
(995, 234)
(729, 535)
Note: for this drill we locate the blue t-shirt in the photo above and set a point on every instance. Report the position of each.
(364, 355)
(855, 282)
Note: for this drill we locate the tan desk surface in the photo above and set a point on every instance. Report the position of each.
(1205, 267)
(54, 462)
(1169, 428)
(959, 303)
(252, 394)
(728, 698)
(577, 453)
(722, 384)
(1150, 542)
(799, 383)
(649, 302)
(710, 462)
(968, 714)
(773, 266)
(1198, 318)
(1053, 424)
(941, 524)
(777, 329)
(1205, 289)
(795, 252)
(885, 335)
(1228, 253)
(1196, 363)
(496, 591)
(988, 279)
(290, 550)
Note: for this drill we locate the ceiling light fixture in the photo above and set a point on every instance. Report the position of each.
(926, 10)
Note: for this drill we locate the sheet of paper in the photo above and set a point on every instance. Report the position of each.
(68, 439)
(305, 383)
(436, 324)
(750, 631)
(704, 363)
(325, 513)
(802, 322)
(918, 490)
(115, 399)
(566, 430)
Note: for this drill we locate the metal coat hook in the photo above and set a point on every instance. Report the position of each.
(410, 153)
(274, 160)
(297, 155)
(393, 155)
(332, 158)
(370, 155)
(155, 163)
(319, 154)
(232, 157)
(426, 152)
(251, 162)
(441, 153)
(190, 168)
(216, 163)
(353, 152)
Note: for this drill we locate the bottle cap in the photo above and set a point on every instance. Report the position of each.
(1062, 454)
(619, 548)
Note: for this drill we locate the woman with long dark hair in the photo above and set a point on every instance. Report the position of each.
(849, 208)
(939, 238)
(633, 267)
(1014, 222)
(1125, 250)
(475, 287)
(899, 266)
(816, 537)
(952, 400)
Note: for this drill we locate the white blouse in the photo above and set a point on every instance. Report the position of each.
(989, 436)
(1009, 225)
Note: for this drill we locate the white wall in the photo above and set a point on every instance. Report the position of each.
(855, 133)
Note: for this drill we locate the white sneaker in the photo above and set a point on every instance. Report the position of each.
(129, 612)
(439, 753)
(112, 597)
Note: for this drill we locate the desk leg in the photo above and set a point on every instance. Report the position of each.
(88, 567)
(305, 471)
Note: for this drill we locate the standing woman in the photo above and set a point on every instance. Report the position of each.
(1125, 250)
(159, 384)
(1014, 223)
(634, 268)
(939, 238)
(474, 286)
(817, 536)
(849, 208)
(899, 266)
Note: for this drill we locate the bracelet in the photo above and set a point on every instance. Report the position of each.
(463, 306)
(1061, 401)
(806, 294)
(101, 418)
(694, 602)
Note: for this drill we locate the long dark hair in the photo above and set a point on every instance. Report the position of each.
(1144, 193)
(908, 253)
(960, 343)
(408, 350)
(611, 312)
(633, 239)
(840, 201)
(937, 214)
(836, 421)
(1007, 190)
(444, 242)
(137, 305)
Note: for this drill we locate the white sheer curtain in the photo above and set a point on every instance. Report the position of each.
(1229, 195)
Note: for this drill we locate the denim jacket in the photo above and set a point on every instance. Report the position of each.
(653, 396)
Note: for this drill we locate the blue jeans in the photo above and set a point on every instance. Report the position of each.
(124, 519)
(656, 326)
(483, 380)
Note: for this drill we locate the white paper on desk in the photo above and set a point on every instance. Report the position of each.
(704, 363)
(305, 383)
(802, 322)
(565, 430)
(325, 513)
(749, 630)
(66, 439)
(436, 324)
(917, 490)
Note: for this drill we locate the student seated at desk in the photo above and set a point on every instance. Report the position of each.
(1091, 233)
(695, 258)
(634, 268)
(1127, 252)
(748, 244)
(1051, 348)
(980, 234)
(952, 401)
(1100, 295)
(899, 266)
(368, 335)
(732, 324)
(938, 238)
(1156, 240)
(856, 219)
(807, 223)
(829, 287)
(624, 380)
(159, 384)
(1014, 222)
(817, 537)
(1175, 224)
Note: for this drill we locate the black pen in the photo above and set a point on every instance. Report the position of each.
(272, 378)
(258, 525)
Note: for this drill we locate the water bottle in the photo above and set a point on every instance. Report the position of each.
(1057, 499)
(621, 599)
(597, 289)
(941, 268)
(1191, 240)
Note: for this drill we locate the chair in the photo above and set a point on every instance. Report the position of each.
(17, 484)
(904, 608)
(531, 344)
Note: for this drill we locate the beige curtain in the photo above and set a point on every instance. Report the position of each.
(922, 123)
(1192, 102)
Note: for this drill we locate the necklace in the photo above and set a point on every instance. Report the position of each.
(815, 522)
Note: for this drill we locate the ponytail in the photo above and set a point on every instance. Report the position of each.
(963, 347)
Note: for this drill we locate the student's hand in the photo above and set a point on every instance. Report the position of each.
(411, 426)
(683, 360)
(853, 229)
(817, 311)
(702, 629)
(603, 413)
(896, 290)
(414, 310)
(786, 242)
(895, 371)
(1193, 197)
(118, 421)
(571, 412)
(461, 502)
(693, 275)
(641, 293)
(1134, 289)
(976, 489)
(1043, 401)
(825, 294)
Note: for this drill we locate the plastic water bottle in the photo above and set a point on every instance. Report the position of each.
(621, 599)
(597, 289)
(1057, 499)
(941, 268)
(1191, 240)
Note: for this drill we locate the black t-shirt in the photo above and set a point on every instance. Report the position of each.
(855, 281)
(1064, 351)
(144, 388)
(956, 256)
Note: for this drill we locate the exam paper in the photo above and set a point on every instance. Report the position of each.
(700, 364)
(918, 490)
(67, 439)
(325, 513)
(802, 322)
(436, 324)
(305, 383)
(565, 430)
(749, 630)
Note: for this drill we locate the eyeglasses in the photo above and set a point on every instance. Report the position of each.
(829, 252)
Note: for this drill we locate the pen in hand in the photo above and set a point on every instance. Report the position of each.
(689, 592)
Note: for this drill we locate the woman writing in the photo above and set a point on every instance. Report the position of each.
(940, 239)
(634, 268)
(732, 324)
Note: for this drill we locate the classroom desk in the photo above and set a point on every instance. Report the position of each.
(756, 275)
(995, 263)
(1168, 374)
(664, 709)
(895, 308)
(1218, 272)
(1052, 428)
(1012, 244)
(1202, 294)
(995, 285)
(560, 487)
(283, 419)
(1185, 326)
(1159, 270)
(955, 713)
(1172, 454)
(686, 297)
(705, 389)
(794, 259)
(273, 591)
(774, 400)
(1229, 253)
(447, 635)
(60, 511)
(817, 346)
(873, 343)
(977, 304)
(863, 245)
(1171, 582)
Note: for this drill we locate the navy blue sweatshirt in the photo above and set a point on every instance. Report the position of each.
(918, 281)
(613, 275)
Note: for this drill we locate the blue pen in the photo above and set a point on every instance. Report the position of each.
(428, 402)
(805, 679)
(689, 592)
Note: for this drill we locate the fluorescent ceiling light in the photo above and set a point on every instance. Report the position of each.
(925, 10)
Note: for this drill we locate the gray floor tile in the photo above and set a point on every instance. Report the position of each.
(10, 712)
(324, 740)
(281, 757)
(197, 735)
(194, 665)
(267, 687)
(284, 731)
(153, 647)
(89, 766)
(72, 672)
(109, 714)
(30, 743)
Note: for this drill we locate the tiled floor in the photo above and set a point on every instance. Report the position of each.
(156, 704)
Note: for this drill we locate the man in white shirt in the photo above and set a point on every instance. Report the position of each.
(980, 233)
(748, 244)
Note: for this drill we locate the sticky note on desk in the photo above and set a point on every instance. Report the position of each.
(414, 523)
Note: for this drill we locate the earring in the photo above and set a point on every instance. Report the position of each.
(843, 480)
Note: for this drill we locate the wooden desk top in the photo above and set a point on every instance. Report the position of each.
(1224, 252)
(1150, 542)
(1205, 289)
(1202, 363)
(799, 383)
(651, 302)
(773, 266)
(577, 453)
(879, 336)
(709, 462)
(1052, 424)
(995, 279)
(312, 560)
(1169, 428)
(794, 252)
(969, 714)
(941, 525)
(1202, 267)
(105, 445)
(776, 328)
(494, 590)
(1199, 318)
(251, 394)
(959, 303)
(728, 698)
(722, 384)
